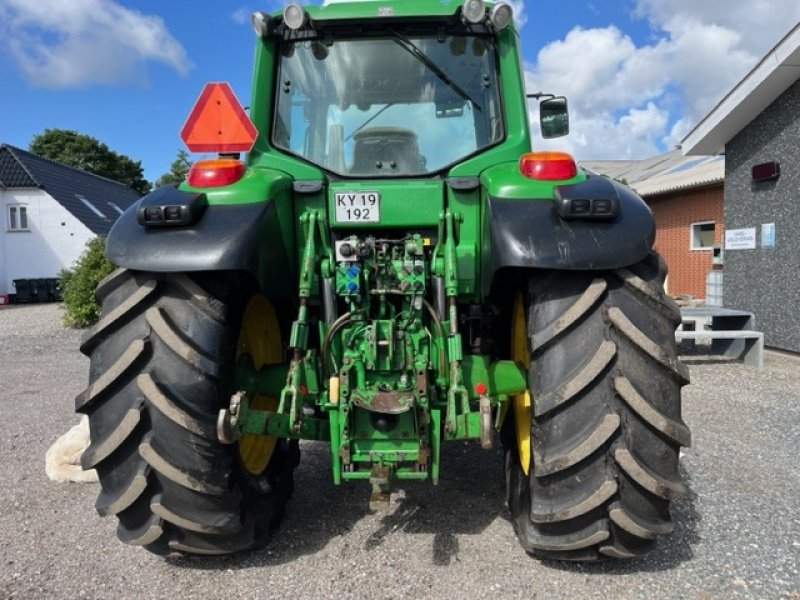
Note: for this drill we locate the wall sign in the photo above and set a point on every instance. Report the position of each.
(768, 235)
(740, 239)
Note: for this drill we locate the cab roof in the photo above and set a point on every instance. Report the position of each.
(371, 9)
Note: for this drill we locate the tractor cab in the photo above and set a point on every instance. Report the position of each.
(388, 102)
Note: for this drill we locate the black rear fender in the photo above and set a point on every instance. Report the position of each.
(235, 237)
(542, 234)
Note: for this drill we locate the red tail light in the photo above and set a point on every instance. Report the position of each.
(214, 172)
(548, 165)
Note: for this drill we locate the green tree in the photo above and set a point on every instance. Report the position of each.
(177, 170)
(79, 282)
(89, 154)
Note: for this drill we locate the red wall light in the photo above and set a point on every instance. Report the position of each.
(766, 171)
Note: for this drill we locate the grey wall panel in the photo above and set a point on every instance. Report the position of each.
(767, 281)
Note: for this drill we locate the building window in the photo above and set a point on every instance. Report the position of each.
(702, 235)
(17, 217)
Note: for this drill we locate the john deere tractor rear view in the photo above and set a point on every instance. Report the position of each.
(390, 269)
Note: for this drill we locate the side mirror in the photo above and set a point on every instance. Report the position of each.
(554, 117)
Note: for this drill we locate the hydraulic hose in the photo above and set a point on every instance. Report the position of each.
(335, 326)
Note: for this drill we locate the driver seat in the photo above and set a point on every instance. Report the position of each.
(386, 146)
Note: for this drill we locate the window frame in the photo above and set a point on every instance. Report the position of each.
(15, 224)
(377, 35)
(692, 245)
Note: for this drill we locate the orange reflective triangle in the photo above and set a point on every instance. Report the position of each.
(218, 123)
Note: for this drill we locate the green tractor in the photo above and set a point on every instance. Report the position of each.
(391, 268)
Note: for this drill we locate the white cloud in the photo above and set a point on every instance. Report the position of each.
(617, 74)
(636, 133)
(612, 112)
(629, 101)
(65, 44)
(760, 23)
(520, 16)
(241, 15)
(679, 130)
(704, 60)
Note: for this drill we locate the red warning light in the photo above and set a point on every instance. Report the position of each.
(218, 123)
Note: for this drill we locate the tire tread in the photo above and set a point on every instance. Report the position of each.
(606, 426)
(158, 377)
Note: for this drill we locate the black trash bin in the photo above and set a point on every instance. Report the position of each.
(53, 289)
(23, 287)
(37, 290)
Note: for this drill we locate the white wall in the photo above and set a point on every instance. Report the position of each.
(3, 227)
(55, 238)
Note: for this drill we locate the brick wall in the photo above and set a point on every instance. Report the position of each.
(674, 213)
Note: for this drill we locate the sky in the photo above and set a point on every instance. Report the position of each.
(639, 74)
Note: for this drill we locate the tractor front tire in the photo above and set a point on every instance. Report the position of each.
(162, 358)
(605, 416)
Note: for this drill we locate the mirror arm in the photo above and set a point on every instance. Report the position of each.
(540, 95)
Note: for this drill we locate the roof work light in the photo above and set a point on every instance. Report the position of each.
(473, 11)
(294, 16)
(501, 15)
(261, 22)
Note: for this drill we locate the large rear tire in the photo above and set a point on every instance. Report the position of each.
(162, 359)
(605, 416)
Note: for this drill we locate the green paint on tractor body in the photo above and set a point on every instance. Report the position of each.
(378, 149)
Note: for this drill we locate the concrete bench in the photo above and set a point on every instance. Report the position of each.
(750, 349)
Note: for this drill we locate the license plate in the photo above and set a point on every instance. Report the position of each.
(357, 207)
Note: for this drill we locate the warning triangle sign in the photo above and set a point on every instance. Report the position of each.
(218, 123)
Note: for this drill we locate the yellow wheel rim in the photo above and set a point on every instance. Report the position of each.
(259, 336)
(522, 403)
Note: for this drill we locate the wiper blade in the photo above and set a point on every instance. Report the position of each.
(370, 120)
(410, 47)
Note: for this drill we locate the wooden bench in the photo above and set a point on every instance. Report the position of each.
(751, 350)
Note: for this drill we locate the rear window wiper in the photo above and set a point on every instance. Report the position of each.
(370, 120)
(410, 47)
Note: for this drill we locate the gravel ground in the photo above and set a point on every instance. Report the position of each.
(737, 532)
